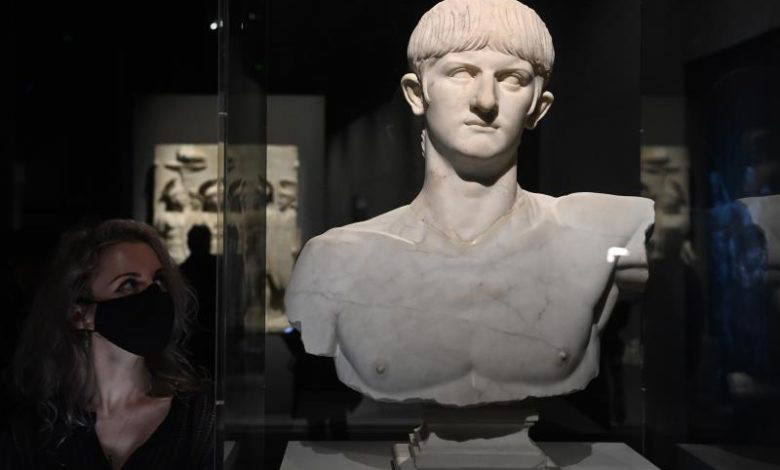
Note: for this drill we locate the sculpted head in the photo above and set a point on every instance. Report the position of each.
(505, 26)
(479, 72)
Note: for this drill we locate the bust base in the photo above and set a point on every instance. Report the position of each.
(377, 455)
(488, 437)
(404, 459)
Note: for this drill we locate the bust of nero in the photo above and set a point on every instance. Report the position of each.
(477, 291)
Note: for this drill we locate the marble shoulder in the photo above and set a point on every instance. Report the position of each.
(605, 213)
(338, 253)
(320, 256)
(324, 278)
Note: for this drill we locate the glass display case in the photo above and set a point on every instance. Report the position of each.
(709, 113)
(240, 344)
(671, 101)
(250, 132)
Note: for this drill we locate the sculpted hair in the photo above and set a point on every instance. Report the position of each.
(52, 368)
(505, 26)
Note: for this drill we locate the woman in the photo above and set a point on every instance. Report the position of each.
(100, 368)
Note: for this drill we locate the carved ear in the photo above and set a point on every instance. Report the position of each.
(413, 92)
(542, 106)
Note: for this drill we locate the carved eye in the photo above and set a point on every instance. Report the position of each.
(516, 79)
(462, 73)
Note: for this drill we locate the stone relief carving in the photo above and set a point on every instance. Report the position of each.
(664, 176)
(245, 201)
(186, 194)
(283, 242)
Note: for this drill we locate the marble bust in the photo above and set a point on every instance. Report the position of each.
(478, 291)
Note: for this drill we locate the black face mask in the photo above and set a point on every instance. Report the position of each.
(140, 323)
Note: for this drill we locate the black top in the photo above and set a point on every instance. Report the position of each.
(184, 440)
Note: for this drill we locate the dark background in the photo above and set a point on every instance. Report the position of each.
(72, 72)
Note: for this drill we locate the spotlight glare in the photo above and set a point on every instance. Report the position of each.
(616, 252)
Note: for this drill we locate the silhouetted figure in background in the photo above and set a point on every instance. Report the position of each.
(200, 269)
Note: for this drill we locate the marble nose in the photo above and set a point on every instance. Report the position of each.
(483, 100)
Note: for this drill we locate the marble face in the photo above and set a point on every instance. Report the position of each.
(478, 291)
(477, 102)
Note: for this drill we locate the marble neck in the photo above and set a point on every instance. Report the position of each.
(461, 209)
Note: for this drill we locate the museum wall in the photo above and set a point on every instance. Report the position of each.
(299, 120)
(590, 137)
(715, 26)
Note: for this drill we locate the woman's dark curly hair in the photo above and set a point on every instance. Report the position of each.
(52, 369)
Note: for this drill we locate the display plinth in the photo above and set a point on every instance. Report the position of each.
(377, 455)
(493, 436)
